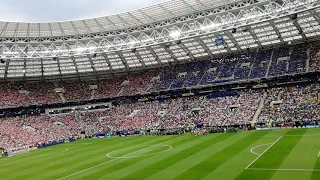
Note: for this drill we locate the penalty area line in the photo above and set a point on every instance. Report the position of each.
(115, 159)
(251, 150)
(267, 169)
(263, 152)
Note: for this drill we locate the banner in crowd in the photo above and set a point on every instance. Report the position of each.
(260, 86)
(309, 100)
(267, 128)
(287, 127)
(187, 94)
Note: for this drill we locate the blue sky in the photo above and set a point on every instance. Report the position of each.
(61, 10)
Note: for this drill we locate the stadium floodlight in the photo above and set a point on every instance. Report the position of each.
(175, 34)
(131, 43)
(210, 26)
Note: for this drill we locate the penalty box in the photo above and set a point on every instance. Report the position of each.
(288, 153)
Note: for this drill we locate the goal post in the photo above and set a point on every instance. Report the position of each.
(17, 150)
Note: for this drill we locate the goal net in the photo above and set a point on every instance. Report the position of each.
(17, 150)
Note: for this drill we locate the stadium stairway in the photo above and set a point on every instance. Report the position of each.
(121, 91)
(63, 99)
(261, 104)
(270, 62)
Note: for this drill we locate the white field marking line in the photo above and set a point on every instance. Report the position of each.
(126, 157)
(46, 149)
(266, 169)
(78, 172)
(23, 155)
(45, 155)
(263, 152)
(251, 150)
(319, 154)
(304, 135)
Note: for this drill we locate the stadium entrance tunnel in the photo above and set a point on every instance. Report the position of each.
(139, 151)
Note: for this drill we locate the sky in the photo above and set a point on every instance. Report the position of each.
(62, 10)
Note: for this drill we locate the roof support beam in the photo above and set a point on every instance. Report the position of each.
(205, 47)
(255, 37)
(111, 22)
(24, 68)
(28, 29)
(108, 61)
(100, 26)
(6, 69)
(139, 57)
(154, 54)
(42, 71)
(148, 16)
(125, 22)
(4, 30)
(166, 10)
(277, 31)
(230, 36)
(200, 4)
(39, 30)
(186, 50)
(75, 65)
(62, 32)
(123, 60)
(59, 68)
(91, 62)
(190, 7)
(15, 30)
(297, 25)
(84, 22)
(50, 29)
(168, 50)
(315, 15)
(74, 27)
(135, 18)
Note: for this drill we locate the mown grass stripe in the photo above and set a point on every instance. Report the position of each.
(303, 156)
(166, 166)
(274, 157)
(120, 164)
(67, 161)
(153, 164)
(242, 159)
(199, 171)
(86, 170)
(94, 151)
(316, 175)
(145, 166)
(188, 162)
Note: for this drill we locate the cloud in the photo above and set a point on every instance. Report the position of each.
(61, 10)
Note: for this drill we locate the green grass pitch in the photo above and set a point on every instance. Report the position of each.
(277, 155)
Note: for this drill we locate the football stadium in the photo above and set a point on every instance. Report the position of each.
(181, 89)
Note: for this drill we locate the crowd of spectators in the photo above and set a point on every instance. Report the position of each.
(314, 56)
(280, 104)
(220, 109)
(249, 65)
(293, 103)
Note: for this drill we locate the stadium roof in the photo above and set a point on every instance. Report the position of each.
(174, 31)
(144, 16)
